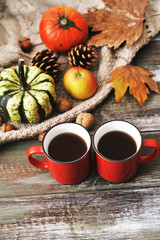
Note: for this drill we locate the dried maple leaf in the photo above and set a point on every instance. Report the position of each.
(136, 79)
(122, 22)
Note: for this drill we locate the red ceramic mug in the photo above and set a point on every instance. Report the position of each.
(122, 170)
(66, 172)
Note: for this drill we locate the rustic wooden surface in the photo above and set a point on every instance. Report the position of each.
(34, 206)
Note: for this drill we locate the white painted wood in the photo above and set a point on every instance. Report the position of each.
(115, 214)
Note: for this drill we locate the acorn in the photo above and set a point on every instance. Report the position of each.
(25, 44)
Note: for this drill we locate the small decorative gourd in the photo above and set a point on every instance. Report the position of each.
(27, 95)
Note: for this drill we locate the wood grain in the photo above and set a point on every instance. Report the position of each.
(114, 214)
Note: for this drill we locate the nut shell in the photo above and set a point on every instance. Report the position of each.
(63, 104)
(40, 137)
(26, 44)
(85, 119)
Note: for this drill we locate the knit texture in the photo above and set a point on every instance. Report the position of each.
(20, 18)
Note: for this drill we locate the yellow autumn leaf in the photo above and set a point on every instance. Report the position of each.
(137, 79)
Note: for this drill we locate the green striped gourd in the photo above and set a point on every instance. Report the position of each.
(27, 95)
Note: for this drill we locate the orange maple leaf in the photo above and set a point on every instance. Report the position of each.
(122, 22)
(135, 78)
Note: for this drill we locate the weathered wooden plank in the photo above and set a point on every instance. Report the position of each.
(18, 177)
(146, 118)
(114, 214)
(148, 56)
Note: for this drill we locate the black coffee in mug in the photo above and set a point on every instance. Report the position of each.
(117, 145)
(67, 147)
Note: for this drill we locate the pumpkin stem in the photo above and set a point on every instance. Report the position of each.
(63, 21)
(21, 74)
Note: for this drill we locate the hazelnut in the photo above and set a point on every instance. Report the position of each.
(63, 104)
(6, 127)
(40, 137)
(25, 44)
(9, 127)
(85, 119)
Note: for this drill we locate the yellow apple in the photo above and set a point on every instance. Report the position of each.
(80, 83)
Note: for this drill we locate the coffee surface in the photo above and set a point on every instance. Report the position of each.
(67, 147)
(117, 145)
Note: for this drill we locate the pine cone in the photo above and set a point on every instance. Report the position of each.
(83, 56)
(46, 62)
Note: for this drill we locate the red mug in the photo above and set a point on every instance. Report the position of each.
(66, 172)
(122, 170)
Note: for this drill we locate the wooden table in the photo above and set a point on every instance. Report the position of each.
(34, 206)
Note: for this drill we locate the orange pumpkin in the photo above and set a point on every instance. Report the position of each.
(62, 28)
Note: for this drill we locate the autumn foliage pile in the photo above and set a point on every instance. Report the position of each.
(122, 22)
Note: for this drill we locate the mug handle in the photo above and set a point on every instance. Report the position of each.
(150, 157)
(35, 162)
